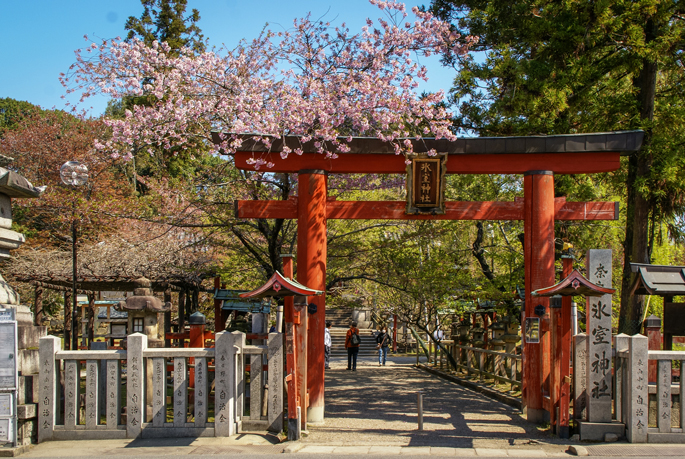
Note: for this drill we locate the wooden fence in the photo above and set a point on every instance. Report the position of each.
(160, 392)
(483, 363)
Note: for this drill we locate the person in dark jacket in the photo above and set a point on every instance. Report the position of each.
(382, 341)
(352, 349)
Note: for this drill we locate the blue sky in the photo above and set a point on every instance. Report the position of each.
(38, 37)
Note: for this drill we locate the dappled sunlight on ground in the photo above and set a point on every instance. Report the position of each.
(378, 406)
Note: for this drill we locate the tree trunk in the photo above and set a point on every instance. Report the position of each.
(479, 253)
(636, 244)
(167, 317)
(196, 299)
(92, 311)
(38, 306)
(181, 311)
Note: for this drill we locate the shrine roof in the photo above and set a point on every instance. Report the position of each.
(624, 142)
(280, 286)
(17, 186)
(574, 284)
(231, 301)
(660, 280)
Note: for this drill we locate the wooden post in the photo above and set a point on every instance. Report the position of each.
(219, 324)
(167, 317)
(291, 364)
(555, 365)
(196, 339)
(565, 341)
(67, 321)
(312, 190)
(652, 326)
(181, 312)
(394, 333)
(92, 312)
(300, 321)
(538, 187)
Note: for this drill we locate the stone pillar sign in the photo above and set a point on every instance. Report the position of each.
(135, 386)
(599, 383)
(580, 377)
(638, 390)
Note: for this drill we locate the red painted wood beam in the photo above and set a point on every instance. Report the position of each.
(566, 356)
(539, 267)
(454, 210)
(506, 163)
(312, 189)
(290, 352)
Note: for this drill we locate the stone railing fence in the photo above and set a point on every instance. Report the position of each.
(486, 364)
(649, 412)
(159, 392)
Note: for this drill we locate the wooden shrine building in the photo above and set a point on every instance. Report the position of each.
(538, 158)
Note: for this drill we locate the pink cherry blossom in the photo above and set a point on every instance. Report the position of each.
(315, 81)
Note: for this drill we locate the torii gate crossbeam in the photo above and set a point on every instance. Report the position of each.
(537, 157)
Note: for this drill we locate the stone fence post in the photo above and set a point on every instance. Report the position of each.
(275, 403)
(621, 343)
(135, 386)
(48, 347)
(227, 347)
(637, 390)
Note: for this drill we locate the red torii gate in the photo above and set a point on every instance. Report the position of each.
(537, 157)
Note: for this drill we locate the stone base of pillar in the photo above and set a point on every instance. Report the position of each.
(294, 428)
(315, 415)
(537, 416)
(595, 431)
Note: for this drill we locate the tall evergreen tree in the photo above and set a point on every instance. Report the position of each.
(562, 67)
(164, 21)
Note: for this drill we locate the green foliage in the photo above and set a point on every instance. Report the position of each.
(164, 21)
(12, 111)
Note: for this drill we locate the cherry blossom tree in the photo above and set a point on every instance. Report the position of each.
(317, 81)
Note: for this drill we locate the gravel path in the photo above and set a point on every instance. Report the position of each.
(378, 406)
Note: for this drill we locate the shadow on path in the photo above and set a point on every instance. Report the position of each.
(378, 406)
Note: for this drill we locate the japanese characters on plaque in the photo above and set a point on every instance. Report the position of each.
(426, 184)
(599, 382)
(638, 389)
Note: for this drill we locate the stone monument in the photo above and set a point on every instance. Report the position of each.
(597, 347)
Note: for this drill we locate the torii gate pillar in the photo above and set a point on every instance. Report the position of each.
(312, 191)
(538, 189)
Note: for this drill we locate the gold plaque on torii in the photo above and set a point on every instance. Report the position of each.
(426, 184)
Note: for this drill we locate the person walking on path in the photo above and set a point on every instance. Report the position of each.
(327, 342)
(382, 340)
(352, 342)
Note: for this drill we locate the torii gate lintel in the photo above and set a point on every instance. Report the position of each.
(537, 157)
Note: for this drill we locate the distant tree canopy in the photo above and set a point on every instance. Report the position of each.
(164, 21)
(563, 67)
(12, 111)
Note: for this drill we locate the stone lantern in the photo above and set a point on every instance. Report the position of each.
(13, 185)
(145, 313)
(498, 330)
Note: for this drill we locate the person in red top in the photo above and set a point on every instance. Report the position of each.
(352, 349)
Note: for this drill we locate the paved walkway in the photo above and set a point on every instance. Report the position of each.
(377, 407)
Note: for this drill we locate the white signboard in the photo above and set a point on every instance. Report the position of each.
(8, 355)
(5, 432)
(8, 376)
(5, 404)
